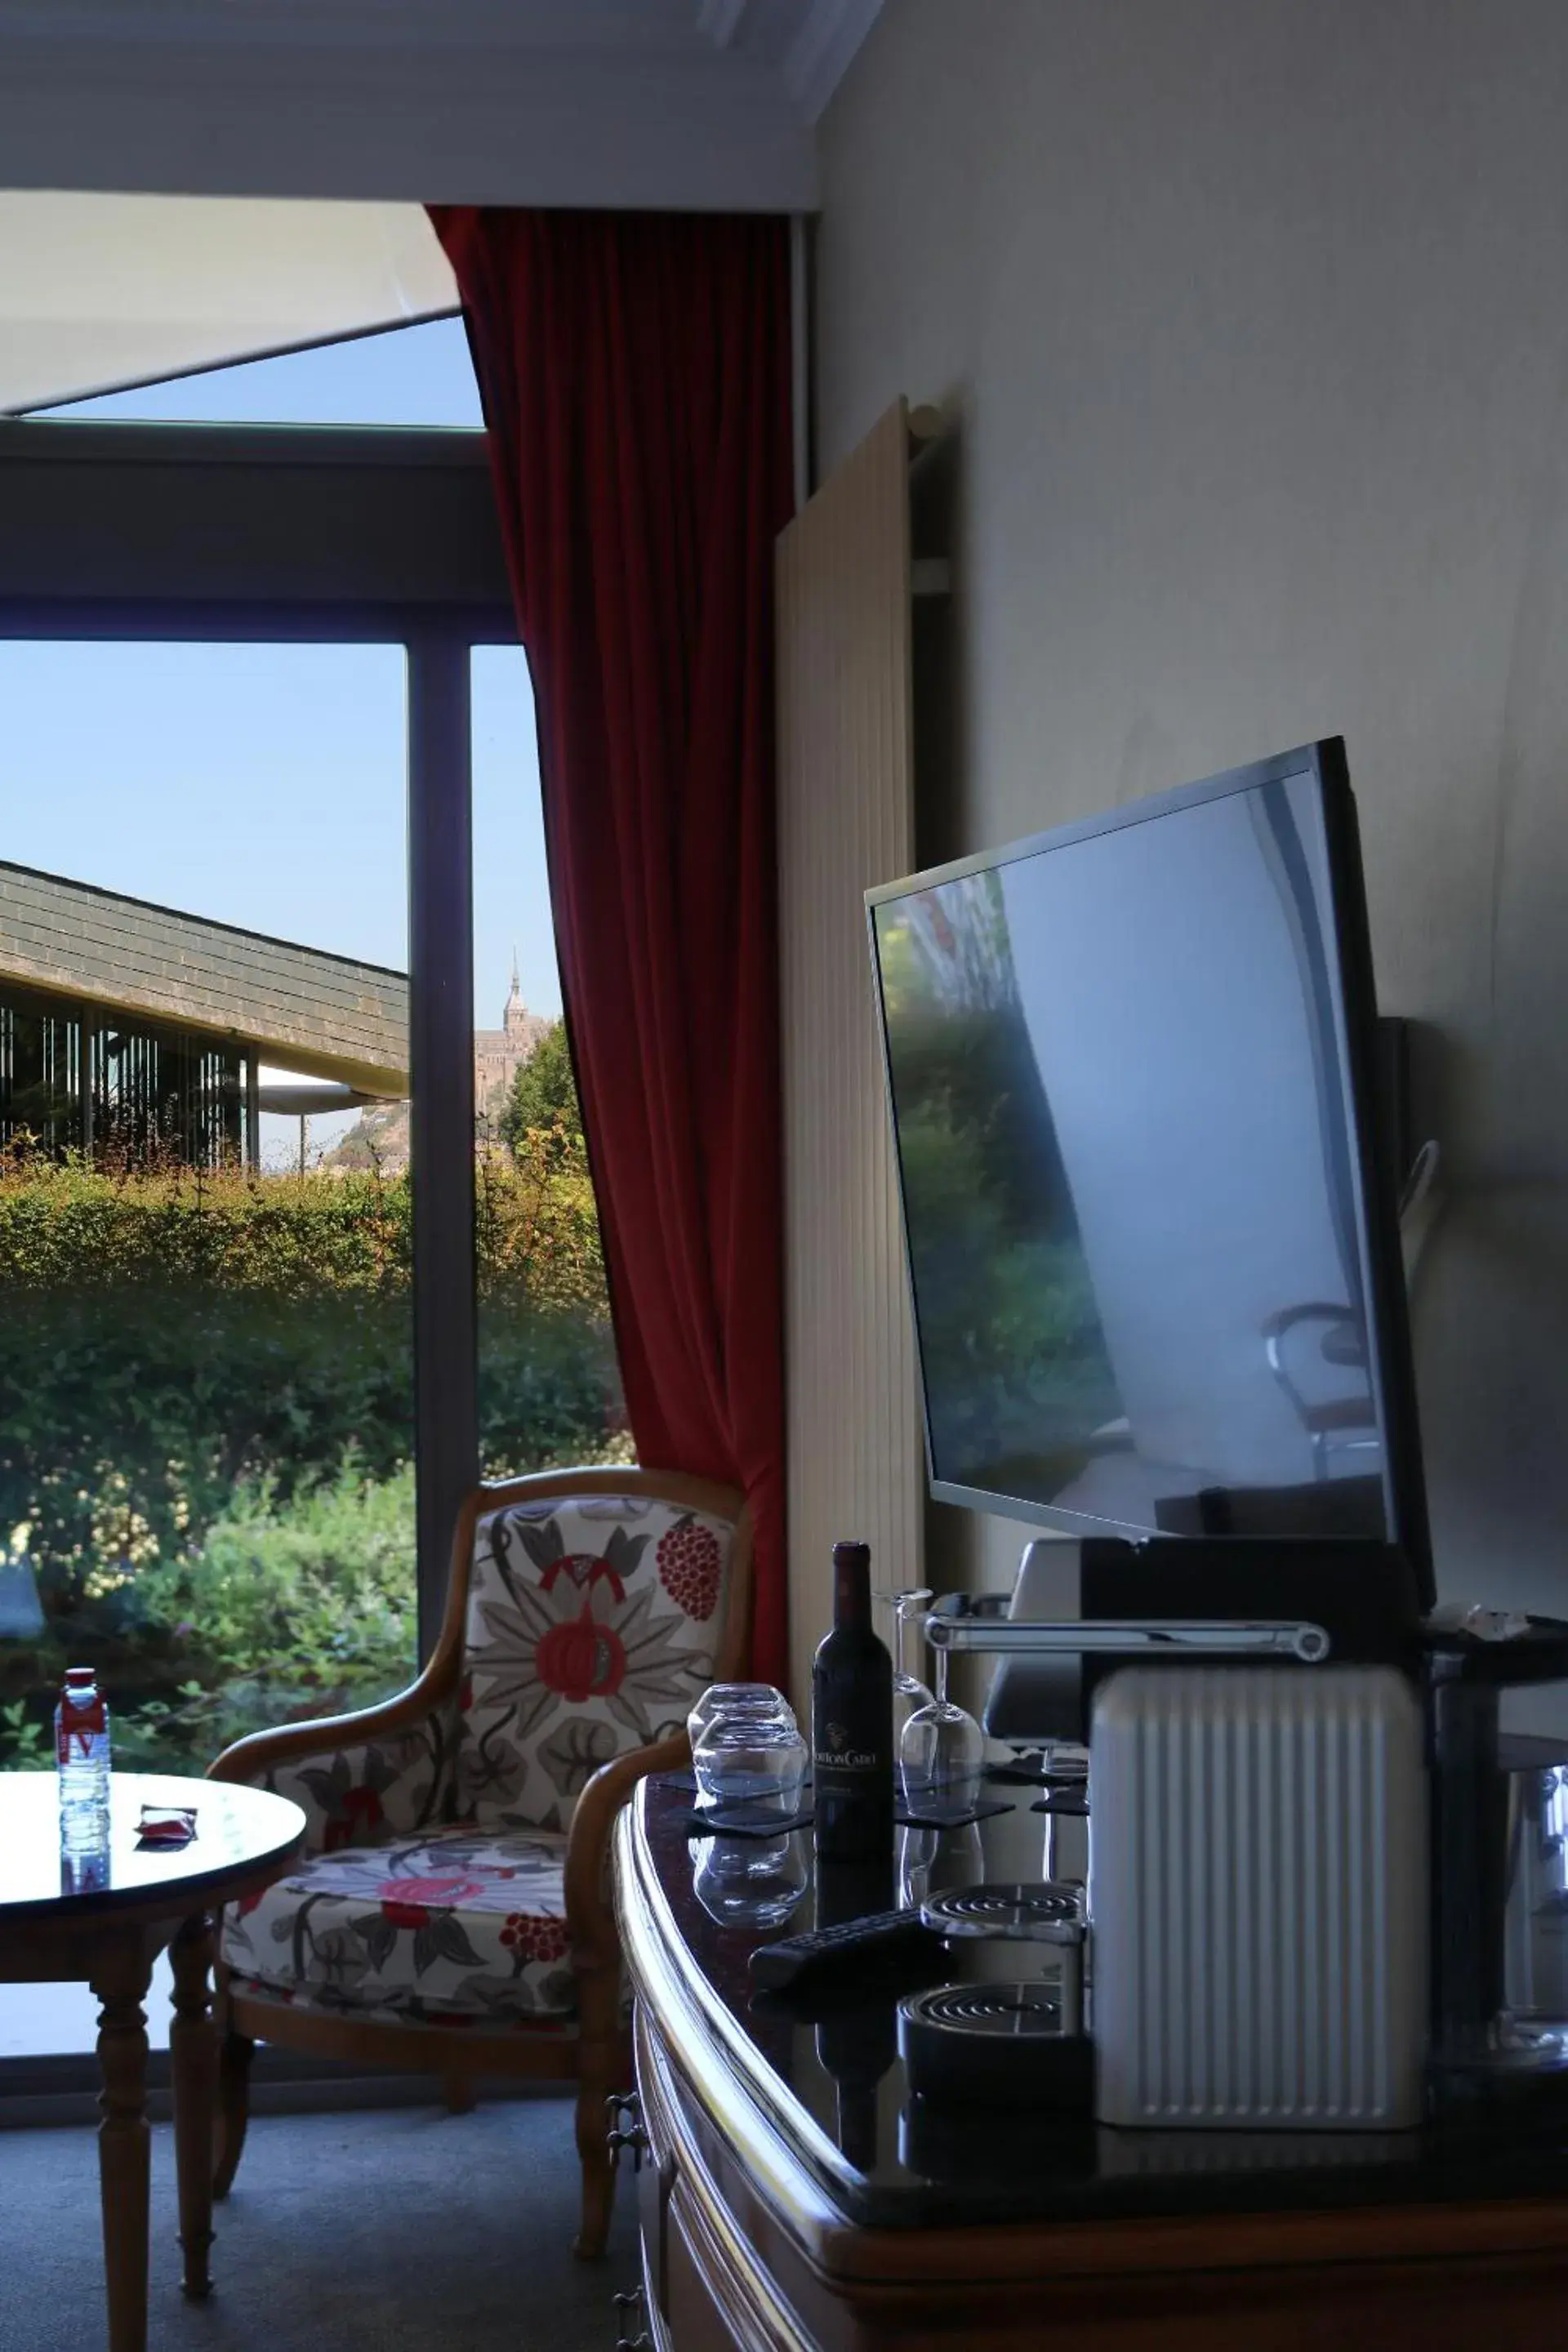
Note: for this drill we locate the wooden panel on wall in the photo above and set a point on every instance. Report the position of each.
(845, 821)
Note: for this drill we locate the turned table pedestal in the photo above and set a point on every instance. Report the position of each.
(58, 1923)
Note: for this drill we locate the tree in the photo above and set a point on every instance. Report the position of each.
(544, 1099)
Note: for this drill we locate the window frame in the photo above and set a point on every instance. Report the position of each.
(223, 534)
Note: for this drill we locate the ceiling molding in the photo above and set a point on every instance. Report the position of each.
(678, 104)
(823, 48)
(635, 132)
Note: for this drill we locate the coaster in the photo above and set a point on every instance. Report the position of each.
(1026, 1774)
(1063, 1801)
(742, 1820)
(685, 1781)
(909, 1820)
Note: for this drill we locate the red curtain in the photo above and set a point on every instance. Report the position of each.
(635, 371)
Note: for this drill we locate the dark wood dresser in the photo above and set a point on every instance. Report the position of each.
(793, 2194)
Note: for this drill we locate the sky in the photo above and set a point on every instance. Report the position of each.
(263, 785)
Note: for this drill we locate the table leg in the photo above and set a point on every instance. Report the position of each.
(120, 1980)
(193, 2057)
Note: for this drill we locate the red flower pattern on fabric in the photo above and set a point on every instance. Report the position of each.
(534, 1936)
(691, 1566)
(585, 1570)
(408, 1902)
(360, 1816)
(581, 1658)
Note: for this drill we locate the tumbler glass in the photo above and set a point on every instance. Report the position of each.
(749, 1882)
(749, 1751)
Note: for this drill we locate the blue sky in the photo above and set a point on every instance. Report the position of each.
(263, 785)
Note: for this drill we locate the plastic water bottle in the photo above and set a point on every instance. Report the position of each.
(81, 1751)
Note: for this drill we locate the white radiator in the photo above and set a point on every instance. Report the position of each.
(1257, 1894)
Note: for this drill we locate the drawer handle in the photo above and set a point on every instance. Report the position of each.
(628, 2310)
(635, 2139)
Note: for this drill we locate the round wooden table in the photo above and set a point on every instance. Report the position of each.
(107, 1924)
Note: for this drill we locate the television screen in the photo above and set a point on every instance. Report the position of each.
(1155, 1273)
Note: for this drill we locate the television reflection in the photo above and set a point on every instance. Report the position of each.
(1123, 1124)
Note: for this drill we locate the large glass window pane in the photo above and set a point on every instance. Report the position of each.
(549, 1390)
(206, 1449)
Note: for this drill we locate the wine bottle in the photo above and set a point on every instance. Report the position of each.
(852, 1722)
(855, 2048)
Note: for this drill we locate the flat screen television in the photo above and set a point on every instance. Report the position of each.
(1153, 1247)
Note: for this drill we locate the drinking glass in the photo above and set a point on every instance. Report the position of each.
(934, 1861)
(941, 1753)
(748, 1752)
(749, 1882)
(902, 1606)
(731, 1699)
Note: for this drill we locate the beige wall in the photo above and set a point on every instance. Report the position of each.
(1255, 316)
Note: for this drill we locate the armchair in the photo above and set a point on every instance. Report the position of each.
(452, 1915)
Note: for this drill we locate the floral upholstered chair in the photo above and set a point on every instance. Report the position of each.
(452, 1915)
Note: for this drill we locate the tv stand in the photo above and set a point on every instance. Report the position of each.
(758, 2234)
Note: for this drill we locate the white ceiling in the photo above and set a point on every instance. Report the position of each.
(678, 104)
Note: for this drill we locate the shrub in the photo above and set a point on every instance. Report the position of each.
(286, 1610)
(210, 1379)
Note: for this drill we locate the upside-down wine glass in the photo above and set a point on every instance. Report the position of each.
(942, 1752)
(902, 1606)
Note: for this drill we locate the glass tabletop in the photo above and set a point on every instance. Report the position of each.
(237, 1830)
(832, 2080)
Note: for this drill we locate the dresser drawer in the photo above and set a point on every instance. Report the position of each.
(705, 2290)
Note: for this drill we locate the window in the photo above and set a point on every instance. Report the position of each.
(296, 1271)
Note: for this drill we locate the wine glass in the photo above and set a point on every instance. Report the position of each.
(941, 1753)
(902, 1606)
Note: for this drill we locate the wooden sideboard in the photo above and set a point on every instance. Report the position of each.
(759, 2233)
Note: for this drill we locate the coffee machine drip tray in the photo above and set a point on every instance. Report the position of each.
(994, 2045)
(1047, 1913)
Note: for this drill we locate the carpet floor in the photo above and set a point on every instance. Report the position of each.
(402, 2229)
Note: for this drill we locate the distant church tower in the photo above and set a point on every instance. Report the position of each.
(499, 1053)
(515, 1021)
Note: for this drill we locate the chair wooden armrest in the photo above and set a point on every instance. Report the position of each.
(260, 1752)
(590, 1914)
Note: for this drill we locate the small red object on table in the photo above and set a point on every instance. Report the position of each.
(171, 1825)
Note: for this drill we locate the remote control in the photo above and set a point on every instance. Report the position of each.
(823, 1952)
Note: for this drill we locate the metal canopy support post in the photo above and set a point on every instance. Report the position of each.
(441, 1073)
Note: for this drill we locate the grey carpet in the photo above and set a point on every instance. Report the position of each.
(406, 2230)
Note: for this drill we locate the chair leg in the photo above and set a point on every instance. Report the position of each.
(460, 2096)
(601, 2069)
(234, 2054)
(594, 2084)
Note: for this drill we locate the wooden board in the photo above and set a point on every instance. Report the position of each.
(845, 822)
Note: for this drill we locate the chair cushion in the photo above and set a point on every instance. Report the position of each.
(593, 1624)
(450, 1927)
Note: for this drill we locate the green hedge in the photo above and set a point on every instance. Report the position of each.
(207, 1387)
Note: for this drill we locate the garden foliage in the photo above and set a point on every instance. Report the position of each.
(206, 1423)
